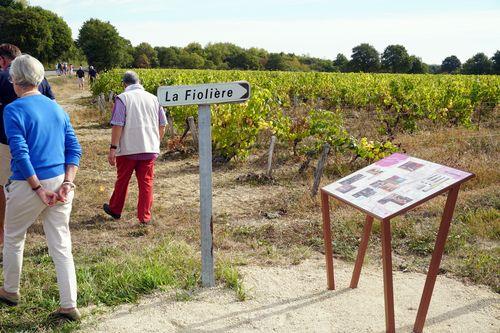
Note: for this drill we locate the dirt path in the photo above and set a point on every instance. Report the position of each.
(295, 299)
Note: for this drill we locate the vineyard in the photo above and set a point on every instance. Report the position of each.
(271, 226)
(305, 110)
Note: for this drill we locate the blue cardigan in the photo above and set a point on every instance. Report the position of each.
(41, 138)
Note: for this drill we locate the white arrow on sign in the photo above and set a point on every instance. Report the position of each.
(210, 93)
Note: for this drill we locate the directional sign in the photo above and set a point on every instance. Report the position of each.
(203, 95)
(210, 93)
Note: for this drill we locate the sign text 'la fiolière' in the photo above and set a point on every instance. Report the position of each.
(211, 93)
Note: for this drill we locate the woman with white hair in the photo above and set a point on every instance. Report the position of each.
(45, 158)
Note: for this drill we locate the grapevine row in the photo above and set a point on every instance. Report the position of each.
(398, 102)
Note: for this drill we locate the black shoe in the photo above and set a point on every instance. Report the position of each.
(108, 211)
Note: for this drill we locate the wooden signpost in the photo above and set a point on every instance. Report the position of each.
(204, 95)
(384, 190)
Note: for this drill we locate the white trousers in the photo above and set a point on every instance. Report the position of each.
(22, 209)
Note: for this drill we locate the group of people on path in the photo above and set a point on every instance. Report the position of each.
(39, 159)
(65, 69)
(80, 74)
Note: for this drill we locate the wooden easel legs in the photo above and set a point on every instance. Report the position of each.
(387, 267)
(361, 252)
(387, 259)
(390, 325)
(327, 235)
(436, 259)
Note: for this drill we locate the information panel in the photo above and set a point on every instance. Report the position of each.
(394, 183)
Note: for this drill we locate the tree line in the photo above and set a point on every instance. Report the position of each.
(47, 36)
(364, 58)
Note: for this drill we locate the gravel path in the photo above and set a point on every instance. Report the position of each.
(295, 299)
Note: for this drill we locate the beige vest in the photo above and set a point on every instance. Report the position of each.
(141, 131)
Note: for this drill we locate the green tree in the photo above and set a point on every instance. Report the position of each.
(219, 53)
(102, 45)
(15, 4)
(284, 62)
(478, 64)
(145, 51)
(319, 65)
(60, 34)
(34, 30)
(168, 57)
(216, 54)
(276, 62)
(74, 55)
(191, 60)
(451, 65)
(243, 60)
(293, 63)
(496, 62)
(434, 69)
(28, 30)
(418, 66)
(142, 61)
(195, 48)
(260, 54)
(364, 58)
(128, 53)
(395, 59)
(341, 62)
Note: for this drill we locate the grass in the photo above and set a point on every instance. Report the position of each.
(107, 276)
(262, 223)
(226, 272)
(482, 266)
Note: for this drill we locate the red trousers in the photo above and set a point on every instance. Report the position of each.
(144, 171)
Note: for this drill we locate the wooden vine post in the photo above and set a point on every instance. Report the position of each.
(194, 132)
(270, 157)
(319, 170)
(101, 103)
(170, 121)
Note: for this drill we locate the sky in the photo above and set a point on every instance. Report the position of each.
(430, 29)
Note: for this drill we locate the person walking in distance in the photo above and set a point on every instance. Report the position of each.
(80, 74)
(138, 126)
(92, 74)
(8, 53)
